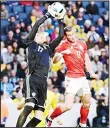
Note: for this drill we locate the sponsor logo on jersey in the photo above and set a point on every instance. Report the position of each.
(33, 94)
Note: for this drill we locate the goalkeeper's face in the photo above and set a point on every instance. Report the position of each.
(40, 38)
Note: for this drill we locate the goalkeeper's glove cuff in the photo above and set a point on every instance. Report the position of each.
(48, 15)
(61, 20)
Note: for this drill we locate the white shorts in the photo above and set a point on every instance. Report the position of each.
(79, 86)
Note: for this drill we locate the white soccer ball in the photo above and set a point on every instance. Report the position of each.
(57, 10)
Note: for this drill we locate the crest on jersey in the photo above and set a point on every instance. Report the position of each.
(81, 48)
(33, 94)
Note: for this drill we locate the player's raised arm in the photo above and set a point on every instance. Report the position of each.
(57, 41)
(31, 36)
(34, 30)
(58, 11)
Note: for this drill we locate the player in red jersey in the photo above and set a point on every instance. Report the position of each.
(74, 52)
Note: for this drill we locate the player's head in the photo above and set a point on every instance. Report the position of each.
(70, 34)
(41, 38)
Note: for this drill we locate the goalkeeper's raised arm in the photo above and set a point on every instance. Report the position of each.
(34, 30)
(58, 11)
(57, 41)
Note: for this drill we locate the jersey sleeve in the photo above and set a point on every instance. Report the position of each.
(34, 30)
(26, 42)
(57, 41)
(60, 47)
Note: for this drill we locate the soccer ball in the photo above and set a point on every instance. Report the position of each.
(57, 10)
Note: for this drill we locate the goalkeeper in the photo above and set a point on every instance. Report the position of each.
(35, 83)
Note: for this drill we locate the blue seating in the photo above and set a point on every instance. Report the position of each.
(11, 14)
(11, 2)
(3, 37)
(106, 4)
(101, 10)
(23, 16)
(42, 8)
(85, 3)
(4, 23)
(99, 4)
(17, 21)
(8, 8)
(18, 9)
(86, 17)
(95, 18)
(28, 9)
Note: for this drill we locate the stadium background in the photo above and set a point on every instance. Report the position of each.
(91, 24)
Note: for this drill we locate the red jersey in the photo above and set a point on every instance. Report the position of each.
(75, 59)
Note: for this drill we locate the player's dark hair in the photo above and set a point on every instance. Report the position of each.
(67, 29)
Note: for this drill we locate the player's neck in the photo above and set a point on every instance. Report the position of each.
(74, 43)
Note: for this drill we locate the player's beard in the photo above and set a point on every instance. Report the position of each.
(71, 41)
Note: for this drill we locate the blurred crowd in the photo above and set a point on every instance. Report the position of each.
(91, 23)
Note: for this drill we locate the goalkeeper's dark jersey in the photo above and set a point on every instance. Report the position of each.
(37, 55)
